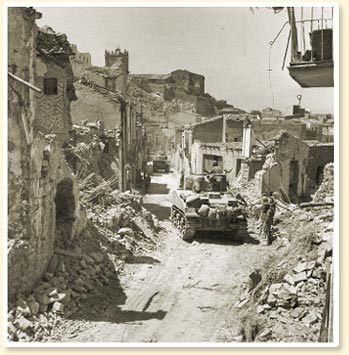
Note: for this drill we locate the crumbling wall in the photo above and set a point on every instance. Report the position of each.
(93, 106)
(53, 102)
(319, 156)
(21, 108)
(268, 129)
(30, 254)
(35, 166)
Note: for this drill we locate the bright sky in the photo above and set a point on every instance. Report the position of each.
(229, 46)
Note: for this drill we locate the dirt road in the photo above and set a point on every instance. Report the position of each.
(179, 293)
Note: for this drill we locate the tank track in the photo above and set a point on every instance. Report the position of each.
(187, 226)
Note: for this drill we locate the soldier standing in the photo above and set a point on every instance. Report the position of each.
(265, 219)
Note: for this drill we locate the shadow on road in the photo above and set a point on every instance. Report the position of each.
(104, 305)
(133, 316)
(223, 238)
(158, 189)
(142, 260)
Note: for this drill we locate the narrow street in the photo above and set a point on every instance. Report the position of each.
(171, 295)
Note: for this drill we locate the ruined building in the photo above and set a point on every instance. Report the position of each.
(181, 85)
(54, 75)
(95, 103)
(82, 58)
(103, 96)
(279, 154)
(43, 204)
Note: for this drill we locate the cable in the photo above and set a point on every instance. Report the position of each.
(271, 43)
(244, 31)
(269, 76)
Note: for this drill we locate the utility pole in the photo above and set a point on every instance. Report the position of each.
(122, 146)
(224, 128)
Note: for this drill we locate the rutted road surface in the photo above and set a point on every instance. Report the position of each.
(180, 293)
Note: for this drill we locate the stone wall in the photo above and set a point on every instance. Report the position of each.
(212, 130)
(202, 105)
(36, 170)
(229, 155)
(319, 156)
(53, 111)
(193, 84)
(264, 129)
(94, 106)
(50, 184)
(293, 167)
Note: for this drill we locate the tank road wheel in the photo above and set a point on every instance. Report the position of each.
(172, 215)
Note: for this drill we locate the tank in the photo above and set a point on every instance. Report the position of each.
(204, 204)
(160, 163)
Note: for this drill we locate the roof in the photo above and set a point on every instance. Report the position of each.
(313, 143)
(229, 117)
(187, 71)
(228, 145)
(231, 109)
(150, 76)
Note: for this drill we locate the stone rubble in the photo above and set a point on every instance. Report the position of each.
(73, 274)
(290, 300)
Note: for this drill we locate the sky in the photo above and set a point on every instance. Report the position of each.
(229, 46)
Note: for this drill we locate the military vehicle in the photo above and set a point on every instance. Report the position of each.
(204, 204)
(160, 163)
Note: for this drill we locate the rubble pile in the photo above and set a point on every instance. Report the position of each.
(288, 301)
(51, 42)
(92, 149)
(325, 191)
(119, 228)
(71, 276)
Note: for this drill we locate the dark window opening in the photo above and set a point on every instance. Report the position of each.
(238, 166)
(50, 86)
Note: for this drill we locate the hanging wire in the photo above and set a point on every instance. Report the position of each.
(269, 76)
(244, 30)
(271, 43)
(303, 31)
(286, 51)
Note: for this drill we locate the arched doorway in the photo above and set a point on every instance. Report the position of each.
(319, 174)
(65, 212)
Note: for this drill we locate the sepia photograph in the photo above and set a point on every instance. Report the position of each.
(172, 174)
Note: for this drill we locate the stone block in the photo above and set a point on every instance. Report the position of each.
(23, 323)
(89, 260)
(300, 268)
(97, 257)
(34, 306)
(266, 333)
(310, 319)
(11, 329)
(57, 307)
(302, 276)
(289, 279)
(42, 298)
(23, 308)
(42, 308)
(271, 300)
(275, 287)
(126, 231)
(298, 313)
(83, 263)
(329, 227)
